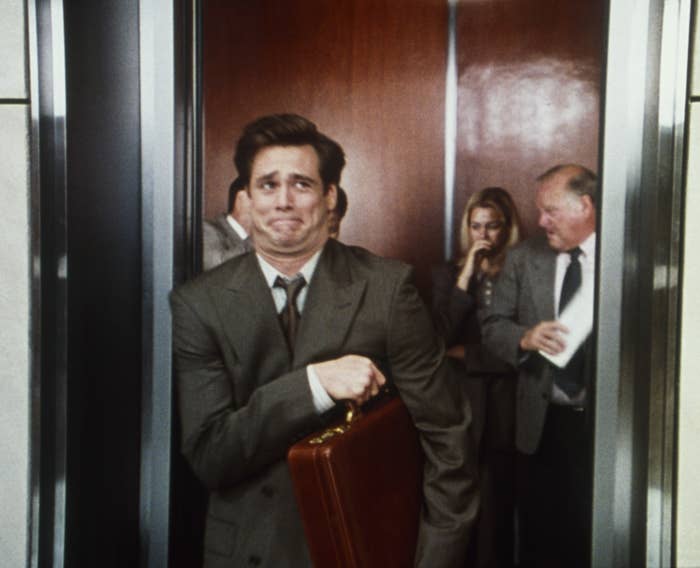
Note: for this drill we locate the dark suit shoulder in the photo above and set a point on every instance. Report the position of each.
(219, 276)
(216, 226)
(363, 257)
(362, 261)
(535, 244)
(213, 223)
(530, 249)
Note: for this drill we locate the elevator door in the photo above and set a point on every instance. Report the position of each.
(373, 75)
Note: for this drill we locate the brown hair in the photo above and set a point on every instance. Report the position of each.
(288, 130)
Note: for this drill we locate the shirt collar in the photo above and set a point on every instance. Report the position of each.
(271, 273)
(588, 246)
(236, 226)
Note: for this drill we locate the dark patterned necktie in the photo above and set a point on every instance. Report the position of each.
(570, 378)
(289, 316)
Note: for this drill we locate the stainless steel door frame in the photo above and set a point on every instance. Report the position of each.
(48, 419)
(161, 182)
(637, 302)
(642, 148)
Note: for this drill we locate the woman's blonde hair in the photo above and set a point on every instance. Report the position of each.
(502, 203)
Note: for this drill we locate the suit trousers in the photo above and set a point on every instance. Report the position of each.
(493, 398)
(554, 492)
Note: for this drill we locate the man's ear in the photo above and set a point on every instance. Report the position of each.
(242, 200)
(331, 196)
(588, 205)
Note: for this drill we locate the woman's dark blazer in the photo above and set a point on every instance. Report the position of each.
(488, 381)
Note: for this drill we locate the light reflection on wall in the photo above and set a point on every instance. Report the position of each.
(518, 117)
(533, 90)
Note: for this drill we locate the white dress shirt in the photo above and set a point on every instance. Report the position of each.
(236, 226)
(322, 400)
(587, 260)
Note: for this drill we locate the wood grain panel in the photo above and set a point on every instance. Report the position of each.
(529, 93)
(370, 73)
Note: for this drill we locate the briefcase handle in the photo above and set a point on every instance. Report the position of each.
(353, 412)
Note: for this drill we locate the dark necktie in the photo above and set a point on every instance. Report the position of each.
(289, 316)
(570, 378)
(572, 279)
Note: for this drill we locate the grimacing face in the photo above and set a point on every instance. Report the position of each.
(288, 208)
(566, 217)
(485, 223)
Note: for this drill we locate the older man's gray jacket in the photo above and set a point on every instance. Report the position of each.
(523, 297)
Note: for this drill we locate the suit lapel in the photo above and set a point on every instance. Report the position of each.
(248, 315)
(542, 270)
(331, 304)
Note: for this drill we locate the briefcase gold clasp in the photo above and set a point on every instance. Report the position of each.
(328, 434)
(352, 413)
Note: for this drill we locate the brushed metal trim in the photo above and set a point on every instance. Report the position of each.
(622, 136)
(49, 427)
(59, 89)
(194, 189)
(637, 307)
(157, 25)
(33, 509)
(663, 407)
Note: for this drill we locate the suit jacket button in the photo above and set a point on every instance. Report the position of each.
(254, 560)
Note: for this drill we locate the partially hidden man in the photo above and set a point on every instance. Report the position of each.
(226, 235)
(267, 343)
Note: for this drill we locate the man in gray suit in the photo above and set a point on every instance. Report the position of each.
(552, 411)
(258, 366)
(226, 235)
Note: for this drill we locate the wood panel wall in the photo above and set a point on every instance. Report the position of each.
(529, 94)
(369, 73)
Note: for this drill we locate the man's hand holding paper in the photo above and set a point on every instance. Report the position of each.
(576, 322)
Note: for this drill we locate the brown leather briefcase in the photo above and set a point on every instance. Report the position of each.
(358, 486)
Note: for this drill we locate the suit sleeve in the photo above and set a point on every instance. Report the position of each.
(223, 442)
(442, 417)
(451, 305)
(500, 330)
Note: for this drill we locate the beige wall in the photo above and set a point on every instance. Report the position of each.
(688, 515)
(14, 286)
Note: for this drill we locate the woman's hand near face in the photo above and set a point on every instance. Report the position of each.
(469, 264)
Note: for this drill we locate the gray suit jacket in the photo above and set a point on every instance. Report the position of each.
(220, 242)
(523, 297)
(243, 400)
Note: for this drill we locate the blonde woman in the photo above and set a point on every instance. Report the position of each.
(461, 288)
